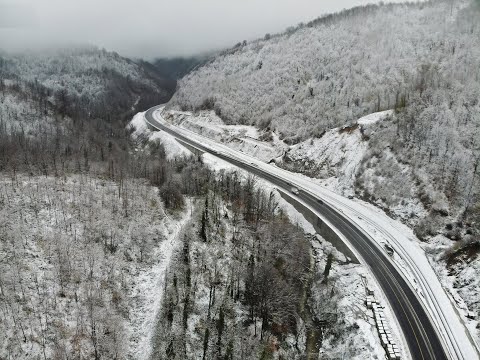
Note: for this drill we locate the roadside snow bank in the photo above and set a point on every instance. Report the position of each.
(143, 135)
(243, 138)
(374, 117)
(334, 157)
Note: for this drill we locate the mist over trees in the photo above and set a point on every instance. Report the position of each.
(86, 82)
(66, 110)
(177, 67)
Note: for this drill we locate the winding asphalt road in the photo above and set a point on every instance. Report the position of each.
(418, 330)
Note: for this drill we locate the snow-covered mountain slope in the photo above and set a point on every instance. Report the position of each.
(311, 84)
(75, 68)
(145, 138)
(85, 82)
(79, 266)
(20, 114)
(415, 58)
(59, 106)
(339, 68)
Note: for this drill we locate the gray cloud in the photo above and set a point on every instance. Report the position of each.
(152, 28)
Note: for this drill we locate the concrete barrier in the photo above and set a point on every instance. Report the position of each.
(321, 227)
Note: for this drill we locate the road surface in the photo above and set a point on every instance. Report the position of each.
(419, 331)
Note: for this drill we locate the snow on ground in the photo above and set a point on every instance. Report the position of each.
(353, 277)
(147, 293)
(81, 221)
(374, 117)
(259, 149)
(139, 125)
(403, 201)
(463, 285)
(243, 138)
(420, 275)
(18, 114)
(208, 123)
(334, 158)
(141, 132)
(411, 260)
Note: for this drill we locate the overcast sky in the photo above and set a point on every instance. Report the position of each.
(153, 28)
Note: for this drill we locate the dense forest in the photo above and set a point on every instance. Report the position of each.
(67, 110)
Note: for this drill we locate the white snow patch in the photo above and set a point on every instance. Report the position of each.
(172, 147)
(375, 117)
(243, 138)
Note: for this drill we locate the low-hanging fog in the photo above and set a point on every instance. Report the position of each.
(149, 28)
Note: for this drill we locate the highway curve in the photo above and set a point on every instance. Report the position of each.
(418, 330)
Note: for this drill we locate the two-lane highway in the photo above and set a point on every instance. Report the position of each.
(418, 329)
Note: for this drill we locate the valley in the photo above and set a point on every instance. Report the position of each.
(311, 193)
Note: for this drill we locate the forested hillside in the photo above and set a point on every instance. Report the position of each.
(68, 104)
(419, 161)
(85, 82)
(92, 211)
(337, 68)
(83, 216)
(419, 59)
(248, 284)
